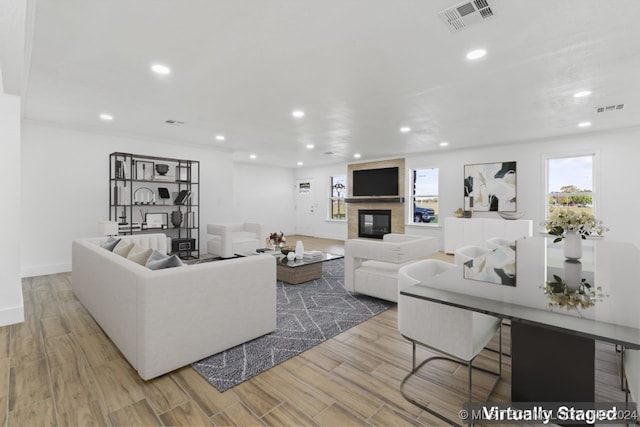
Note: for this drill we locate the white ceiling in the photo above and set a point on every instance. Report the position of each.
(360, 69)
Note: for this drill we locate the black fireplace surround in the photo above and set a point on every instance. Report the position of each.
(374, 223)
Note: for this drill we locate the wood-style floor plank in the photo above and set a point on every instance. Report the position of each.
(186, 414)
(28, 384)
(91, 414)
(138, 414)
(58, 368)
(236, 415)
(205, 396)
(41, 413)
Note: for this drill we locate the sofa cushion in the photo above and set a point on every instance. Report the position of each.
(110, 243)
(139, 254)
(158, 260)
(123, 248)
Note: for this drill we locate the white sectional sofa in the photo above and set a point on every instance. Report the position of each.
(165, 319)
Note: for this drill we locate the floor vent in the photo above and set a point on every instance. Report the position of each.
(609, 108)
(465, 14)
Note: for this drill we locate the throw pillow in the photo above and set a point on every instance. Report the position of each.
(110, 243)
(158, 260)
(139, 254)
(123, 248)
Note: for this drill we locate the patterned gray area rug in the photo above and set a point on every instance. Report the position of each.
(308, 314)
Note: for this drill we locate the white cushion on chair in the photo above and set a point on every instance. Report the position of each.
(454, 331)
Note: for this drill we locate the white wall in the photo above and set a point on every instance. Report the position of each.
(319, 222)
(263, 194)
(65, 189)
(617, 155)
(11, 305)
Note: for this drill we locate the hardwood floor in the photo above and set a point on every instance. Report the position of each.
(59, 369)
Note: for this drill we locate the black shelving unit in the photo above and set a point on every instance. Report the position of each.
(144, 198)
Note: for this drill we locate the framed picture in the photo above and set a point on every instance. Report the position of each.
(144, 170)
(182, 173)
(490, 187)
(157, 220)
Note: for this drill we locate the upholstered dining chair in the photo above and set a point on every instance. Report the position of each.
(457, 333)
(469, 252)
(631, 370)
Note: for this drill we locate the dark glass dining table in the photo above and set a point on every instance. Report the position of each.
(558, 308)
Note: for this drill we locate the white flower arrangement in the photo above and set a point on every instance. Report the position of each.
(562, 220)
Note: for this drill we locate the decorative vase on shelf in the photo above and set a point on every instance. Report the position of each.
(572, 245)
(176, 218)
(299, 249)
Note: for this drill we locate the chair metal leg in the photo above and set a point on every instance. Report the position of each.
(470, 367)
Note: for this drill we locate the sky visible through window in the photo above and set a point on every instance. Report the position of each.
(576, 171)
(426, 182)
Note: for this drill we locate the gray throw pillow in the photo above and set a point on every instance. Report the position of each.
(110, 243)
(158, 260)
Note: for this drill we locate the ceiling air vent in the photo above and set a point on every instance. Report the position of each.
(465, 14)
(174, 122)
(609, 108)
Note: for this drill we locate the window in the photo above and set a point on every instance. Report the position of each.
(338, 191)
(570, 183)
(425, 195)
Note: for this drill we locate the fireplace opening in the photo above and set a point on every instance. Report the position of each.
(374, 223)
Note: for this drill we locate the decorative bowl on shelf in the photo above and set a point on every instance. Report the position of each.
(511, 215)
(162, 169)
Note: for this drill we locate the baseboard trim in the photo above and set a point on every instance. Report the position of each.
(41, 270)
(12, 315)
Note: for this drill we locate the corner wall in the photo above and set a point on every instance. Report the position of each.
(11, 304)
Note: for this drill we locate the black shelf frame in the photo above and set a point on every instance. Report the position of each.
(122, 178)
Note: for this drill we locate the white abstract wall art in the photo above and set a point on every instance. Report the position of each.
(492, 186)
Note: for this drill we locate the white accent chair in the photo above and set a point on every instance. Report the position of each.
(469, 252)
(631, 369)
(457, 333)
(226, 240)
(371, 266)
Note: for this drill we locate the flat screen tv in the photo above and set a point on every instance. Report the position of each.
(375, 182)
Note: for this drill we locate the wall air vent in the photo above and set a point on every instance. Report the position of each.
(174, 122)
(609, 108)
(465, 14)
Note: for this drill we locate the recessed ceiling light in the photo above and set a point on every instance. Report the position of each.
(582, 94)
(106, 117)
(444, 144)
(220, 137)
(160, 69)
(405, 129)
(252, 156)
(476, 54)
(310, 146)
(357, 156)
(300, 163)
(584, 124)
(297, 114)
